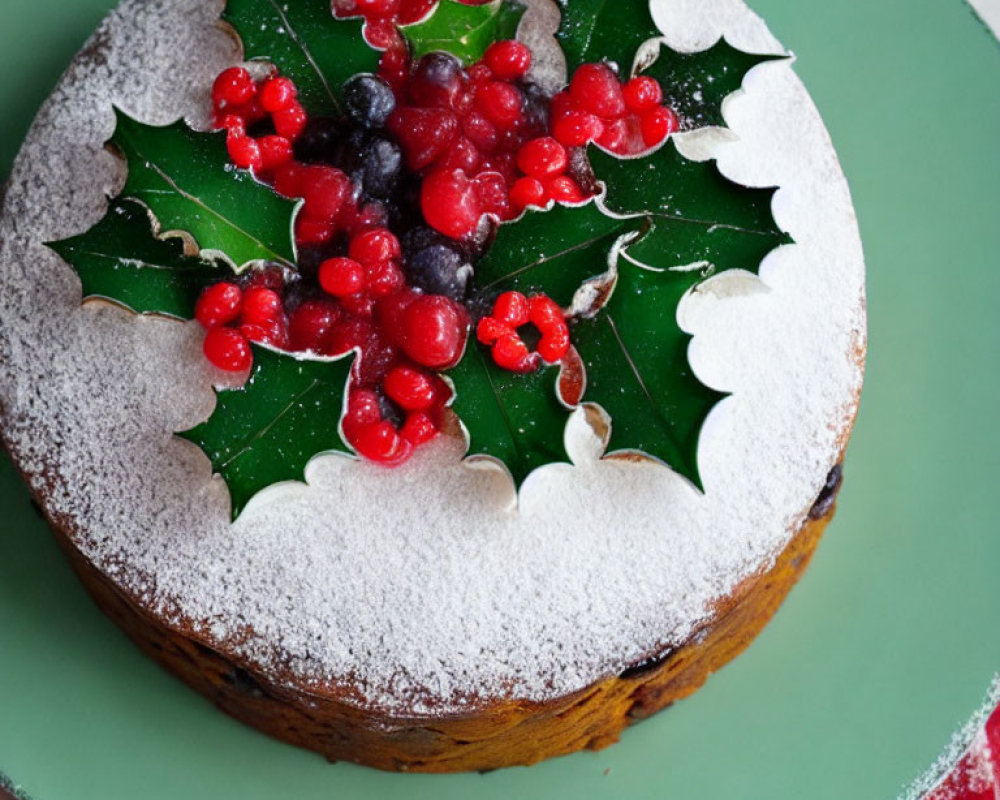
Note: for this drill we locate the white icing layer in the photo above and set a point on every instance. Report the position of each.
(420, 587)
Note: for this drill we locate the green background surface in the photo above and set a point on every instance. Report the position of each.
(885, 647)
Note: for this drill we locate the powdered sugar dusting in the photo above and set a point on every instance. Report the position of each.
(419, 588)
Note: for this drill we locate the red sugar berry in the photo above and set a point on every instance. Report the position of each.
(463, 155)
(418, 429)
(360, 304)
(287, 179)
(491, 191)
(375, 247)
(433, 331)
(449, 202)
(501, 103)
(381, 443)
(509, 60)
(376, 8)
(312, 231)
(349, 334)
(233, 87)
(244, 152)
(658, 124)
(272, 332)
(277, 94)
(232, 124)
(425, 134)
(411, 389)
(481, 132)
(542, 157)
(219, 304)
(563, 189)
(511, 309)
(325, 190)
(290, 122)
(595, 88)
(527, 192)
(341, 277)
(642, 94)
(362, 408)
(576, 128)
(548, 318)
(228, 349)
(275, 151)
(615, 136)
(385, 279)
(261, 305)
(311, 323)
(512, 354)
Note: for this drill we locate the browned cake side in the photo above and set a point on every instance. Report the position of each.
(505, 733)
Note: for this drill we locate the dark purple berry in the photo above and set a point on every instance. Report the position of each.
(320, 140)
(369, 100)
(439, 269)
(380, 168)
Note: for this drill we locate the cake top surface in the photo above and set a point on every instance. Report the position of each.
(425, 588)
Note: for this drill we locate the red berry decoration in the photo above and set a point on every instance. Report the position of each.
(595, 88)
(512, 310)
(228, 349)
(341, 277)
(450, 204)
(375, 247)
(642, 94)
(233, 87)
(542, 157)
(433, 331)
(410, 388)
(219, 304)
(508, 60)
(527, 192)
(244, 152)
(658, 124)
(277, 94)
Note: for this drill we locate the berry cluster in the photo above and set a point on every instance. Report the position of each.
(397, 198)
(513, 311)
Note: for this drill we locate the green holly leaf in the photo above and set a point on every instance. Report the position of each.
(184, 178)
(612, 30)
(551, 251)
(699, 217)
(267, 431)
(307, 43)
(635, 355)
(516, 419)
(120, 260)
(695, 84)
(464, 31)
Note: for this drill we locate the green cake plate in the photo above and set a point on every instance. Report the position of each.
(885, 647)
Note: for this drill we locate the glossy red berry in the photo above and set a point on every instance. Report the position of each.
(563, 189)
(492, 194)
(244, 152)
(481, 132)
(511, 309)
(270, 332)
(232, 124)
(261, 305)
(341, 277)
(450, 204)
(508, 60)
(287, 179)
(658, 124)
(542, 157)
(325, 190)
(501, 103)
(290, 122)
(275, 151)
(385, 279)
(576, 128)
(595, 88)
(615, 136)
(277, 94)
(312, 231)
(642, 94)
(377, 8)
(309, 326)
(547, 317)
(425, 134)
(381, 443)
(411, 389)
(233, 87)
(527, 192)
(512, 354)
(219, 304)
(375, 247)
(418, 429)
(228, 349)
(433, 331)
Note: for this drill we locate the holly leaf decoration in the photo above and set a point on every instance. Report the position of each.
(635, 355)
(551, 251)
(612, 30)
(268, 430)
(516, 419)
(463, 30)
(183, 177)
(120, 260)
(307, 43)
(695, 84)
(698, 216)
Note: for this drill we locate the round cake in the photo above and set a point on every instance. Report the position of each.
(432, 617)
